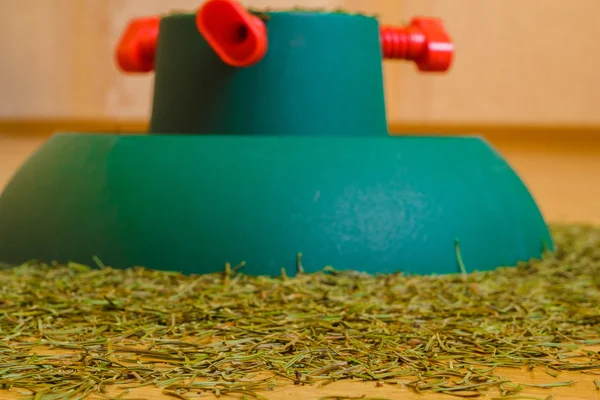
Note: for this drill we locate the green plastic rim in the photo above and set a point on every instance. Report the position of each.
(192, 203)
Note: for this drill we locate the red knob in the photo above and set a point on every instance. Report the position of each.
(137, 48)
(425, 41)
(237, 36)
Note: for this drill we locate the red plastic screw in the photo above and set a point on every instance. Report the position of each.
(425, 41)
(137, 47)
(237, 36)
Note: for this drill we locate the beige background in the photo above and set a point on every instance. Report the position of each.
(518, 62)
(531, 62)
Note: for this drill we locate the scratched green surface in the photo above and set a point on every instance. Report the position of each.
(193, 203)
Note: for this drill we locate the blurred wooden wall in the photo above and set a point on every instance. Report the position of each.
(58, 57)
(526, 77)
(532, 62)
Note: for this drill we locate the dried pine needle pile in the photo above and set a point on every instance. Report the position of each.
(231, 333)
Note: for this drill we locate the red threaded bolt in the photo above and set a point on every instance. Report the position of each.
(137, 47)
(425, 41)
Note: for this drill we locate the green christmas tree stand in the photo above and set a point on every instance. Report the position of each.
(258, 164)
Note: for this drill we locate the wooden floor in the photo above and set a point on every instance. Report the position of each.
(564, 177)
(582, 387)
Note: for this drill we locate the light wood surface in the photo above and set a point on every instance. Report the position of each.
(582, 388)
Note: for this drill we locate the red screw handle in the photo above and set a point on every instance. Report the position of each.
(237, 36)
(240, 39)
(425, 41)
(137, 48)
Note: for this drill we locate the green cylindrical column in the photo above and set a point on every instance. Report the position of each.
(322, 75)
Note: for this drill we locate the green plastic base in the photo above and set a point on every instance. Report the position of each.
(193, 203)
